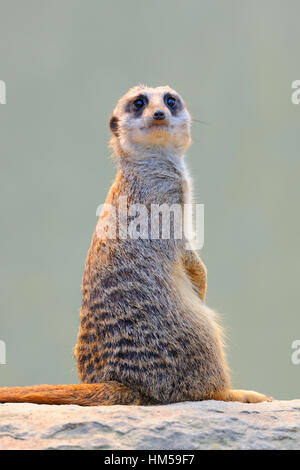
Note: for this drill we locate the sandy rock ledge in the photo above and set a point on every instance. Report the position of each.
(189, 425)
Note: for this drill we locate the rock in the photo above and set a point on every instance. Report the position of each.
(189, 425)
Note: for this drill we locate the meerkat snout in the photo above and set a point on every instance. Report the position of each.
(147, 119)
(159, 115)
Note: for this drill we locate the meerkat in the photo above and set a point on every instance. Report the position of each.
(146, 335)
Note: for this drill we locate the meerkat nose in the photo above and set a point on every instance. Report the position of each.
(159, 115)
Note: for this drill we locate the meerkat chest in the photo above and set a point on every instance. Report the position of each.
(186, 185)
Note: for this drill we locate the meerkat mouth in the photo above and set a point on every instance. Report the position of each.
(154, 126)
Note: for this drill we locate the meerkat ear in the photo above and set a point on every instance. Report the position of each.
(113, 124)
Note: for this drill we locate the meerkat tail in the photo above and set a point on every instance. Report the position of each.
(243, 396)
(108, 393)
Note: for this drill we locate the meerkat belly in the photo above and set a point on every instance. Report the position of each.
(147, 337)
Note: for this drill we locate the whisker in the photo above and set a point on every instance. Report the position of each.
(201, 122)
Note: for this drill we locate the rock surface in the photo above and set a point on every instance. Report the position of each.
(189, 425)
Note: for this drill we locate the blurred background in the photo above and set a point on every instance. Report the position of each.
(65, 64)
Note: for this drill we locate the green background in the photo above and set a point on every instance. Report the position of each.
(65, 64)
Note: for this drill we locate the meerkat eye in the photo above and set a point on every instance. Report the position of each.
(138, 103)
(171, 102)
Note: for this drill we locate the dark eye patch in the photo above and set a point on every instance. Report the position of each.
(173, 103)
(137, 105)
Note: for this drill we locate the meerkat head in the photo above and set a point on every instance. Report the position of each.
(147, 120)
